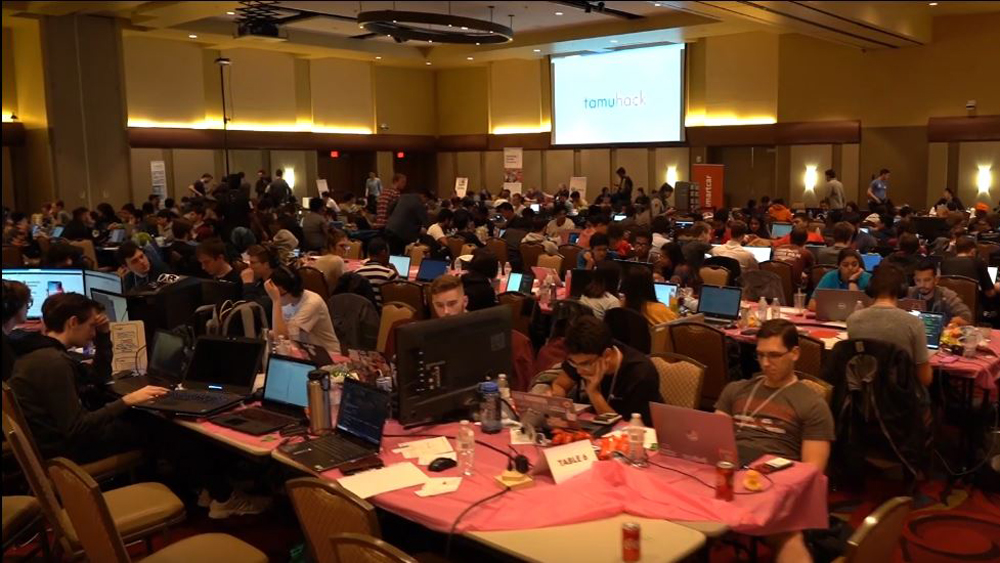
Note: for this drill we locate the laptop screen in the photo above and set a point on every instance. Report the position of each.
(116, 236)
(431, 270)
(779, 230)
(664, 292)
(57, 231)
(871, 261)
(933, 326)
(363, 411)
(619, 217)
(115, 306)
(573, 238)
(43, 283)
(760, 253)
(402, 265)
(108, 282)
(225, 363)
(168, 354)
(720, 302)
(514, 281)
(286, 381)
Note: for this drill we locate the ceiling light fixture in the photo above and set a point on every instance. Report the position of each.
(537, 50)
(468, 58)
(559, 13)
(192, 36)
(434, 28)
(230, 13)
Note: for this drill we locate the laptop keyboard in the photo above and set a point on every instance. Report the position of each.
(194, 396)
(264, 416)
(338, 448)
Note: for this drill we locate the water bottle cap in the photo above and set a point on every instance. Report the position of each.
(488, 387)
(464, 422)
(502, 376)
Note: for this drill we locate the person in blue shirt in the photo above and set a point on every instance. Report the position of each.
(878, 188)
(850, 274)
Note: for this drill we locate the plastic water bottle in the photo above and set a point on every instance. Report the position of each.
(503, 387)
(489, 407)
(466, 445)
(762, 310)
(636, 438)
(775, 309)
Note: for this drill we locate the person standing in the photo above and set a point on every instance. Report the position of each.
(624, 191)
(387, 198)
(373, 187)
(878, 189)
(834, 190)
(279, 190)
(404, 225)
(262, 182)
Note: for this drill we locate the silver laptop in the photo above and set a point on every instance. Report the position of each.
(694, 435)
(720, 304)
(838, 304)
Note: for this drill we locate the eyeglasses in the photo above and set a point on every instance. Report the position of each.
(583, 365)
(771, 356)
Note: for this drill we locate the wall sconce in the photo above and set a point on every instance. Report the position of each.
(809, 179)
(290, 177)
(984, 179)
(671, 175)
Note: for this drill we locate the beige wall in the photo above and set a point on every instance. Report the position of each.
(817, 80)
(446, 173)
(261, 86)
(595, 164)
(462, 101)
(937, 172)
(404, 100)
(164, 80)
(741, 76)
(342, 94)
(558, 166)
(850, 163)
(903, 150)
(516, 93)
(141, 177)
(469, 165)
(636, 164)
(7, 72)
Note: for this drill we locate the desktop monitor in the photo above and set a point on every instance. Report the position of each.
(116, 236)
(871, 261)
(115, 305)
(760, 253)
(665, 292)
(43, 283)
(430, 270)
(402, 265)
(779, 230)
(108, 282)
(437, 380)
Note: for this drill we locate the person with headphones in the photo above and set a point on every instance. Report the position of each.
(299, 314)
(883, 320)
(615, 377)
(16, 301)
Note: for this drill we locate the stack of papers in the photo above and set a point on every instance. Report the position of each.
(439, 486)
(426, 451)
(390, 478)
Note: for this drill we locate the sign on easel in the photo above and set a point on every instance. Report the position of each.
(158, 174)
(513, 168)
(461, 186)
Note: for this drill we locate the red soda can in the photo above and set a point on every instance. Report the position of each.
(724, 472)
(631, 542)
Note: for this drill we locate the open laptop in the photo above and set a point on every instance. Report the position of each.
(694, 435)
(543, 273)
(115, 305)
(57, 231)
(871, 261)
(357, 435)
(779, 230)
(838, 304)
(220, 375)
(167, 361)
(558, 412)
(933, 327)
(430, 270)
(518, 281)
(665, 292)
(283, 403)
(402, 265)
(115, 237)
(720, 304)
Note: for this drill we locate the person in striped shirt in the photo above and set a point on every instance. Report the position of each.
(377, 269)
(388, 198)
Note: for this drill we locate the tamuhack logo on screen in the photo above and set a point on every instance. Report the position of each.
(618, 101)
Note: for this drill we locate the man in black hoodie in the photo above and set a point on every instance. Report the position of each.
(48, 382)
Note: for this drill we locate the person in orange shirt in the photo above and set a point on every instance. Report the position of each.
(779, 212)
(801, 220)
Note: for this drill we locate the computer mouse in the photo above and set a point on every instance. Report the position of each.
(442, 463)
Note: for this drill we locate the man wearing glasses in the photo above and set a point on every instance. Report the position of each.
(614, 377)
(774, 413)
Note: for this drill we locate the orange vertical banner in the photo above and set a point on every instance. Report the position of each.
(710, 180)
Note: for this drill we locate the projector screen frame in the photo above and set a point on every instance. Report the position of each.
(682, 142)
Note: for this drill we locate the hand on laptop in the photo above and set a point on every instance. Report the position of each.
(147, 393)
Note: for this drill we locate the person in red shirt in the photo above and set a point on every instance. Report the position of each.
(796, 255)
(388, 197)
(801, 220)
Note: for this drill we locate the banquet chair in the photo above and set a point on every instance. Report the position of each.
(729, 263)
(325, 509)
(530, 251)
(392, 312)
(22, 519)
(706, 345)
(88, 250)
(406, 292)
(522, 308)
(314, 281)
(817, 272)
(570, 253)
(554, 261)
(354, 252)
(499, 248)
(455, 245)
(564, 312)
(817, 385)
(417, 253)
(762, 283)
(630, 327)
(811, 352)
(784, 272)
(12, 257)
(714, 275)
(88, 510)
(681, 378)
(877, 537)
(966, 288)
(358, 548)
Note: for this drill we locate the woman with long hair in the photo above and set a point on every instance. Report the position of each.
(640, 296)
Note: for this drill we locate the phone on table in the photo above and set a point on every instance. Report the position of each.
(774, 465)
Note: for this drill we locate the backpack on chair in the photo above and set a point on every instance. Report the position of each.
(235, 318)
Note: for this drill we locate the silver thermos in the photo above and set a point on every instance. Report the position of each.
(318, 391)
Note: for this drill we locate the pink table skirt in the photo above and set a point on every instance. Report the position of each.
(796, 501)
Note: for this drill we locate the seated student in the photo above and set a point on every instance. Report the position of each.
(843, 233)
(774, 413)
(795, 254)
(262, 263)
(299, 314)
(660, 227)
(734, 247)
(639, 294)
(850, 274)
(908, 256)
(801, 220)
(48, 382)
(314, 226)
(212, 257)
(936, 298)
(180, 253)
(141, 269)
(641, 244)
(613, 376)
(478, 280)
(537, 236)
(596, 224)
(377, 269)
(331, 262)
(81, 226)
(695, 245)
(16, 300)
(559, 223)
(465, 228)
(439, 230)
(596, 294)
(967, 263)
(598, 253)
(62, 255)
(884, 321)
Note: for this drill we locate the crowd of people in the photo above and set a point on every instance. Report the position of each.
(257, 238)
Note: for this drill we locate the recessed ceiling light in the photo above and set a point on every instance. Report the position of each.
(558, 13)
(468, 58)
(193, 36)
(614, 41)
(932, 4)
(464, 28)
(428, 63)
(230, 13)
(378, 58)
(537, 50)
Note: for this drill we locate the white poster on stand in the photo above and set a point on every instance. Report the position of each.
(158, 174)
(578, 184)
(461, 186)
(321, 186)
(513, 168)
(514, 187)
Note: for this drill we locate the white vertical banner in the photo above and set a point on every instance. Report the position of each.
(578, 184)
(461, 186)
(513, 168)
(322, 187)
(158, 175)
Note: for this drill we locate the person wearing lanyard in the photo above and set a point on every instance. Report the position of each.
(614, 377)
(774, 413)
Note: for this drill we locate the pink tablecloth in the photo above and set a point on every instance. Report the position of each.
(797, 500)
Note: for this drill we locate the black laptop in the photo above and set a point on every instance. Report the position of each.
(167, 361)
(358, 434)
(221, 374)
(284, 401)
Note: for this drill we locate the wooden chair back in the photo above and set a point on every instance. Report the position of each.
(391, 313)
(570, 254)
(314, 281)
(406, 292)
(966, 288)
(878, 535)
(714, 275)
(706, 345)
(784, 272)
(88, 511)
(356, 548)
(325, 509)
(529, 255)
(681, 379)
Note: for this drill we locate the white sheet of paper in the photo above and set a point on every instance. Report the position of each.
(570, 460)
(439, 486)
(390, 478)
(423, 448)
(127, 340)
